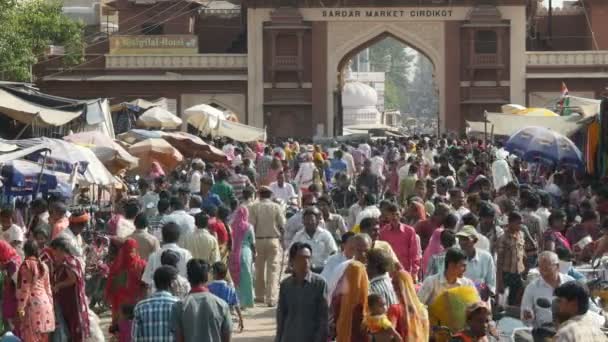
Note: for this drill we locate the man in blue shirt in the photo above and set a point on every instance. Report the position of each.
(337, 164)
(480, 264)
(209, 199)
(152, 317)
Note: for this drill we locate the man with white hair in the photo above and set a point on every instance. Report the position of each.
(542, 288)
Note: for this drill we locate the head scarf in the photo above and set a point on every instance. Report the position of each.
(414, 322)
(125, 259)
(240, 226)
(433, 248)
(353, 291)
(82, 218)
(420, 211)
(7, 253)
(124, 279)
(156, 170)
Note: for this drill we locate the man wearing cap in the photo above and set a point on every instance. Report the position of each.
(480, 264)
(478, 327)
(78, 222)
(268, 220)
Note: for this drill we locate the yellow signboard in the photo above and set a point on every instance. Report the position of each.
(176, 44)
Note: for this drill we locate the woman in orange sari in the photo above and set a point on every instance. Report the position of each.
(124, 285)
(413, 323)
(349, 303)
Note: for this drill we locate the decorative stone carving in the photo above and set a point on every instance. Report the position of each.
(202, 61)
(567, 58)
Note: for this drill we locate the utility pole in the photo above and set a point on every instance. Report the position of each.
(550, 24)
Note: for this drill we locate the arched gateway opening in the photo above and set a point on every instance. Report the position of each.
(424, 41)
(385, 81)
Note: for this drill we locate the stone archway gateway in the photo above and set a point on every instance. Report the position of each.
(293, 72)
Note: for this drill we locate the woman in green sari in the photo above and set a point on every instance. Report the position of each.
(241, 256)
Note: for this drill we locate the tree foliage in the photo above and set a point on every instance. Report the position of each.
(27, 28)
(389, 55)
(424, 97)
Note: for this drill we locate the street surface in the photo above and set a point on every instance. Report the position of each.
(259, 325)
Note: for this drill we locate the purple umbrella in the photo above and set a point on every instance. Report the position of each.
(534, 144)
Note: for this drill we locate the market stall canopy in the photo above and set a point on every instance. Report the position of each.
(587, 107)
(7, 147)
(239, 132)
(6, 157)
(136, 135)
(21, 176)
(192, 146)
(63, 156)
(541, 144)
(96, 173)
(159, 150)
(109, 152)
(511, 108)
(204, 117)
(157, 117)
(507, 124)
(28, 112)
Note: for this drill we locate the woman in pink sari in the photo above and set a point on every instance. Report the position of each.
(35, 305)
(156, 170)
(9, 264)
(241, 256)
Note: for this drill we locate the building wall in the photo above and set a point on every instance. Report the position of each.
(218, 34)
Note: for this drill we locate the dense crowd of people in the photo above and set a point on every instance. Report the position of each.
(401, 239)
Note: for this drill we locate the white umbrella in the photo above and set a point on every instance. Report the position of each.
(204, 117)
(157, 117)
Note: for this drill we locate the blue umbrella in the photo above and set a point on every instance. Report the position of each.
(534, 144)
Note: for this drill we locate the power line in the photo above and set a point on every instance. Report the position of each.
(148, 29)
(132, 29)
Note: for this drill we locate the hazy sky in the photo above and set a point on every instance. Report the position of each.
(556, 3)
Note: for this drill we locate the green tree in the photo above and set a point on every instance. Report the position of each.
(389, 55)
(27, 28)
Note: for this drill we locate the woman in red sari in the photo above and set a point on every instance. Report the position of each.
(9, 264)
(68, 290)
(124, 285)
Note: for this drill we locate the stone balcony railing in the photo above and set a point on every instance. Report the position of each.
(567, 58)
(200, 61)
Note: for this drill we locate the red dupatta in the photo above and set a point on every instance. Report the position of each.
(124, 280)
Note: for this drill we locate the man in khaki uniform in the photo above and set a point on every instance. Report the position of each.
(268, 220)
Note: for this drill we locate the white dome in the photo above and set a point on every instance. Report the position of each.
(357, 95)
(359, 104)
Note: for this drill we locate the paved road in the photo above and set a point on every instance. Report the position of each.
(259, 325)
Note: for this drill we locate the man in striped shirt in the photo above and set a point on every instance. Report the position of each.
(153, 316)
(378, 266)
(239, 182)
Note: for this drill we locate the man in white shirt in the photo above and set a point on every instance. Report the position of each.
(198, 167)
(281, 190)
(126, 225)
(378, 164)
(370, 209)
(78, 222)
(350, 162)
(11, 233)
(335, 260)
(148, 201)
(171, 233)
(542, 287)
(321, 241)
(453, 276)
(179, 216)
